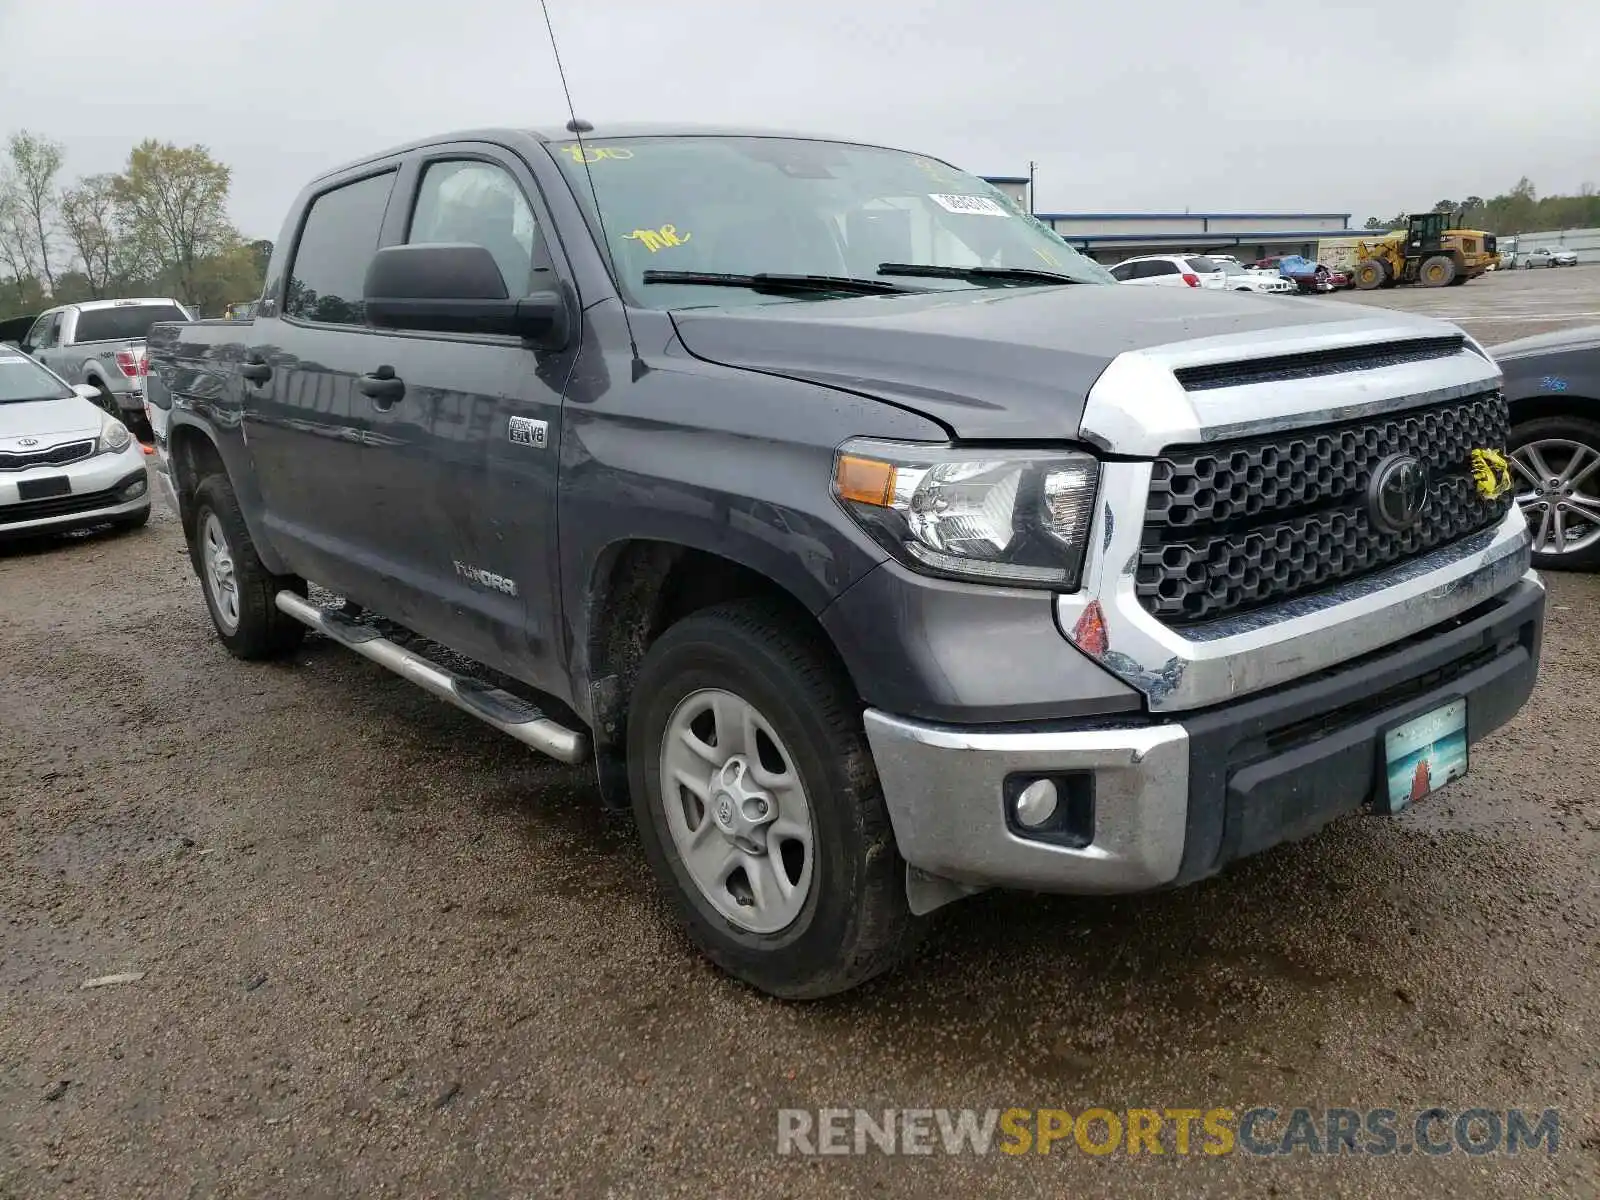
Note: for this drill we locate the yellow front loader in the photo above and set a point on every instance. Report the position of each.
(1429, 251)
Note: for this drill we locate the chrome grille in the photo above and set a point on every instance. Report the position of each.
(1241, 525)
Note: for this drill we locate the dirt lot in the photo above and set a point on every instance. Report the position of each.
(386, 951)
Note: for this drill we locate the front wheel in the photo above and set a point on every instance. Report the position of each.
(1556, 465)
(240, 592)
(759, 807)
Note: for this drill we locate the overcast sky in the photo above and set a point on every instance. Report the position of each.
(1128, 105)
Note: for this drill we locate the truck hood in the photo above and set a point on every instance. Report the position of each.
(51, 421)
(1013, 362)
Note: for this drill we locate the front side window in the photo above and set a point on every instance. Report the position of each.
(791, 206)
(480, 204)
(340, 236)
(42, 334)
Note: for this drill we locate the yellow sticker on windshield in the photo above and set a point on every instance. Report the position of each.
(594, 154)
(659, 239)
(1050, 260)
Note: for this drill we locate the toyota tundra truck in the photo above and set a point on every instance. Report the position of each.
(873, 546)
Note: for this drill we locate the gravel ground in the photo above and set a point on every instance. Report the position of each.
(386, 951)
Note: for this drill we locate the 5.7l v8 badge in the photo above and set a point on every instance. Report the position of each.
(525, 431)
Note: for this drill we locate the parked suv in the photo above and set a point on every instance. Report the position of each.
(873, 550)
(101, 343)
(1170, 270)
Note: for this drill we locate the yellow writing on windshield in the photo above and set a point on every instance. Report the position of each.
(659, 239)
(1050, 260)
(594, 154)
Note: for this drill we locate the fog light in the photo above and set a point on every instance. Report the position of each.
(135, 489)
(1036, 803)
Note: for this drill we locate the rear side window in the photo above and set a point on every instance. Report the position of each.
(1149, 270)
(124, 322)
(1201, 265)
(336, 246)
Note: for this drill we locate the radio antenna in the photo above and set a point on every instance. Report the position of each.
(578, 128)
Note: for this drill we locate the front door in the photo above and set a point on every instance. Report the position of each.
(464, 453)
(306, 420)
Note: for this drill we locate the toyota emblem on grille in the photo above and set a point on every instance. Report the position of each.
(27, 441)
(1397, 494)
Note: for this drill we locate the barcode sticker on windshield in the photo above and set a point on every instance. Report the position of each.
(972, 206)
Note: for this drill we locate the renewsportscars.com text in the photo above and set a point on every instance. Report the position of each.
(1260, 1132)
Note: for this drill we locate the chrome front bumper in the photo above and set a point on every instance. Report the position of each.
(944, 790)
(1162, 783)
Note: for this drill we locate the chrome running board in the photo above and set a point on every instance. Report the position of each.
(493, 706)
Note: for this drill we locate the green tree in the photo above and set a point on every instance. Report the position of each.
(89, 218)
(28, 188)
(172, 205)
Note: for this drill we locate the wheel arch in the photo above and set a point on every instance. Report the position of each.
(193, 452)
(1537, 407)
(638, 588)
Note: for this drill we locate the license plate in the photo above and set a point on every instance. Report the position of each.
(1423, 755)
(43, 489)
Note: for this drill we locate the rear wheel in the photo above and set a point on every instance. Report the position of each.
(1556, 465)
(240, 591)
(1438, 271)
(1371, 274)
(758, 805)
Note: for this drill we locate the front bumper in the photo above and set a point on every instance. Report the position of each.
(1175, 799)
(104, 487)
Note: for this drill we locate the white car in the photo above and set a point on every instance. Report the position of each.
(1241, 279)
(1171, 270)
(1550, 256)
(65, 463)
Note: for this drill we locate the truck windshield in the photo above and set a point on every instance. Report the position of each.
(22, 379)
(123, 322)
(798, 207)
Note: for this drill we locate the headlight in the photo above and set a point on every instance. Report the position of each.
(114, 436)
(1017, 517)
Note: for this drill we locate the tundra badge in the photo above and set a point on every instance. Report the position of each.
(525, 431)
(488, 579)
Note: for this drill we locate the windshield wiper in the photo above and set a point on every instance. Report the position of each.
(780, 284)
(1015, 274)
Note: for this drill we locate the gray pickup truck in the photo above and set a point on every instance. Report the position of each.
(875, 547)
(101, 343)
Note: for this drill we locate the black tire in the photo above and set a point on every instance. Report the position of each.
(854, 923)
(1371, 274)
(1438, 271)
(133, 521)
(1575, 429)
(108, 402)
(262, 630)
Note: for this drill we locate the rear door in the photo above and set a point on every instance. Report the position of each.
(464, 461)
(305, 419)
(44, 339)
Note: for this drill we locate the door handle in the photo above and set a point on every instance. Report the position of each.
(255, 370)
(383, 386)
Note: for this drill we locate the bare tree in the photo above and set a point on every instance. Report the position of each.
(88, 214)
(31, 182)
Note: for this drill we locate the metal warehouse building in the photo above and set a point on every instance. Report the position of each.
(1111, 237)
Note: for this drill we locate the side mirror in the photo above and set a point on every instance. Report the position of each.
(457, 288)
(87, 392)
